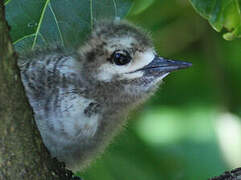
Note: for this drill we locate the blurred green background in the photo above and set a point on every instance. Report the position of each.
(191, 128)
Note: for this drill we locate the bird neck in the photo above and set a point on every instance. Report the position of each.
(114, 93)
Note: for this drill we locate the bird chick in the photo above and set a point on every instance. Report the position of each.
(81, 99)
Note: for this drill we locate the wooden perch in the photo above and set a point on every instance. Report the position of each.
(229, 175)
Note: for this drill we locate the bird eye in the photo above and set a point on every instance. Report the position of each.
(121, 57)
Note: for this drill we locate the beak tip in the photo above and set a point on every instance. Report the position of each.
(187, 64)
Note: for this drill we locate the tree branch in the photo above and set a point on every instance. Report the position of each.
(232, 175)
(22, 153)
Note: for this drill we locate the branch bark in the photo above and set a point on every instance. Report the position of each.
(22, 153)
(229, 175)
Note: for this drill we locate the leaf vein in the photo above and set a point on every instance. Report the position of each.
(115, 7)
(6, 2)
(91, 14)
(24, 37)
(57, 24)
(40, 22)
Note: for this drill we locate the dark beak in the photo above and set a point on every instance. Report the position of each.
(160, 65)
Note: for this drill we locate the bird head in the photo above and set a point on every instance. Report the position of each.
(120, 53)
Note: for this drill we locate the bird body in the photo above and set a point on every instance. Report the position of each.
(81, 98)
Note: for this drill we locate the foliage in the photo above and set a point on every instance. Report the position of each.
(37, 23)
(140, 5)
(176, 135)
(221, 13)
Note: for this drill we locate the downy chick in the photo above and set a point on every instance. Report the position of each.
(81, 99)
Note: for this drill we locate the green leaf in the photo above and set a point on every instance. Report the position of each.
(140, 5)
(35, 23)
(221, 14)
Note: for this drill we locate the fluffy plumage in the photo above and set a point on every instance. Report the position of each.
(80, 99)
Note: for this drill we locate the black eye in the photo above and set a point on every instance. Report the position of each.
(121, 57)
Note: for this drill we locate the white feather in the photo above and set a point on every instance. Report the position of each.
(107, 71)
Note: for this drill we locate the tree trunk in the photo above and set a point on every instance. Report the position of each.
(22, 153)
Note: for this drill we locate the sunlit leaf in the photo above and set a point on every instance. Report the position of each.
(221, 14)
(37, 23)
